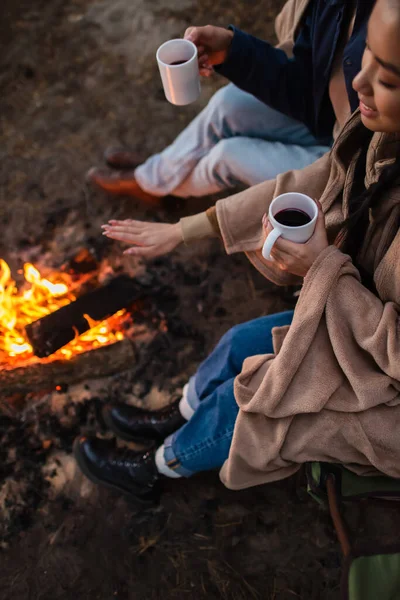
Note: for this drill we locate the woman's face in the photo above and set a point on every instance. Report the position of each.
(378, 83)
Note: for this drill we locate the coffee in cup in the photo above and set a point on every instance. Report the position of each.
(292, 216)
(179, 70)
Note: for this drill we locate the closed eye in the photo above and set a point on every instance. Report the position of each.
(388, 86)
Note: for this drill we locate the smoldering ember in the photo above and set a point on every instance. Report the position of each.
(82, 325)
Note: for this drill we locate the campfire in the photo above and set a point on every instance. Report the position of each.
(37, 298)
(64, 326)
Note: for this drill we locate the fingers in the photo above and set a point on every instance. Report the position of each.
(128, 231)
(205, 66)
(202, 56)
(197, 35)
(279, 255)
(200, 36)
(318, 203)
(280, 258)
(128, 226)
(146, 251)
(267, 227)
(206, 71)
(190, 34)
(204, 60)
(130, 237)
(321, 216)
(122, 229)
(286, 247)
(125, 237)
(124, 222)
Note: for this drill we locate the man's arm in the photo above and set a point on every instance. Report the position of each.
(266, 72)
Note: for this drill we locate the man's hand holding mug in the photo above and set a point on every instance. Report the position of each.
(212, 44)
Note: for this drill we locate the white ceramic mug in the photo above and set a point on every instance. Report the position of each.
(299, 234)
(181, 82)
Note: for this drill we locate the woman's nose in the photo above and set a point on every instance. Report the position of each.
(362, 81)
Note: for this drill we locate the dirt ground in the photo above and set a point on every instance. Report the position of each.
(77, 76)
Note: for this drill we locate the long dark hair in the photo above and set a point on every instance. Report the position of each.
(352, 235)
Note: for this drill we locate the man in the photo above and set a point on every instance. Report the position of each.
(279, 114)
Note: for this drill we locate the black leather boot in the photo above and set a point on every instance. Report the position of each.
(132, 473)
(141, 426)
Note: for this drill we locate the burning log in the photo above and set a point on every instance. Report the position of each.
(100, 362)
(48, 334)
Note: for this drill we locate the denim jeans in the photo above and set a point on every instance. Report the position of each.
(203, 442)
(235, 140)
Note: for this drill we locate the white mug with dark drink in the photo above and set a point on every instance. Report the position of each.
(292, 216)
(179, 70)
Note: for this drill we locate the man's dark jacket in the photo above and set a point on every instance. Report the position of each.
(299, 86)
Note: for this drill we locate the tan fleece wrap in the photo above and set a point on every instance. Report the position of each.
(196, 227)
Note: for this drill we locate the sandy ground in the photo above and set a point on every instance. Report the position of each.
(76, 76)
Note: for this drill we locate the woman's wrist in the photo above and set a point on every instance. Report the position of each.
(196, 227)
(177, 233)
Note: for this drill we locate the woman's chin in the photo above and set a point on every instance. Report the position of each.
(372, 124)
(381, 125)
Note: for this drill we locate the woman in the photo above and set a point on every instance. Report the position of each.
(322, 383)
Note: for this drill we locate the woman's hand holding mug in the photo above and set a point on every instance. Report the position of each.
(293, 246)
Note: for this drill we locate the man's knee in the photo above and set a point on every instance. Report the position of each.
(226, 102)
(224, 162)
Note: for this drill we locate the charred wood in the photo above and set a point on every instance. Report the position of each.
(48, 334)
(99, 362)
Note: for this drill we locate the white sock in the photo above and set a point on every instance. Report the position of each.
(185, 409)
(162, 467)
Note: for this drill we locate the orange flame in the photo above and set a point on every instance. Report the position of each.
(37, 298)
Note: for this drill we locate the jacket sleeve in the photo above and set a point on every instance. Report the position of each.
(283, 83)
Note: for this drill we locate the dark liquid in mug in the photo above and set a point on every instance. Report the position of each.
(292, 217)
(178, 62)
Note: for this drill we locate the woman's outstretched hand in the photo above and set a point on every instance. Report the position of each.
(298, 258)
(212, 43)
(146, 239)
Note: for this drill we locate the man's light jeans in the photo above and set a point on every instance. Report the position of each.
(235, 140)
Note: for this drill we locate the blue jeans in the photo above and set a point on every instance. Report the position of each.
(235, 140)
(203, 442)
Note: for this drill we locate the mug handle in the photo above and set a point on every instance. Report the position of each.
(269, 242)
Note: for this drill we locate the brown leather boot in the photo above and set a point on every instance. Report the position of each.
(122, 158)
(121, 183)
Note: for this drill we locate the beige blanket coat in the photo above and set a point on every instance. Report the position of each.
(331, 390)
